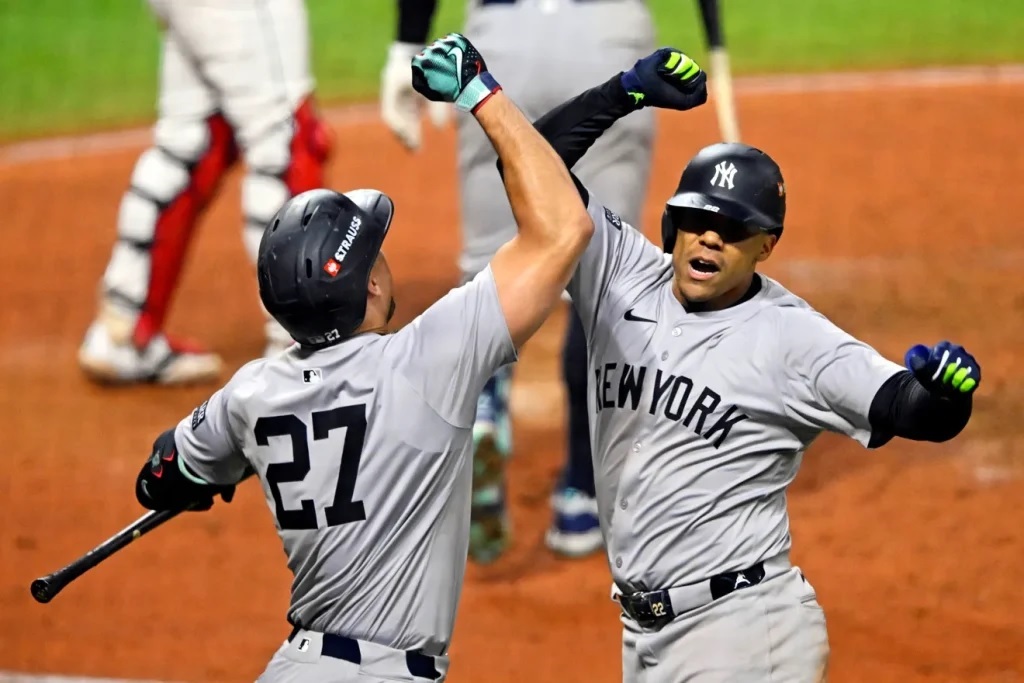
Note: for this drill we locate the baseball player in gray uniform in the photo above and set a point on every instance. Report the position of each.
(362, 440)
(544, 49)
(708, 381)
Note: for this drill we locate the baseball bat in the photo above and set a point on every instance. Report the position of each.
(721, 72)
(44, 589)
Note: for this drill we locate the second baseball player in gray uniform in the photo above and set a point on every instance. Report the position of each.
(362, 440)
(707, 383)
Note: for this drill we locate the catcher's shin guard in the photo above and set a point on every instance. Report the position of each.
(171, 185)
(286, 161)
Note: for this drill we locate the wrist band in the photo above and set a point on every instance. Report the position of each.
(476, 92)
(634, 89)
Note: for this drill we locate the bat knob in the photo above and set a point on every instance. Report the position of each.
(41, 590)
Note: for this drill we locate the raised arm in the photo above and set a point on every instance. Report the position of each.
(532, 269)
(666, 79)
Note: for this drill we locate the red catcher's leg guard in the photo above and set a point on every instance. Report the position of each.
(176, 224)
(311, 147)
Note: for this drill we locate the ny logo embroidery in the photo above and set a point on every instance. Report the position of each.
(725, 171)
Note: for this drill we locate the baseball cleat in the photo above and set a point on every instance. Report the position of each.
(490, 529)
(576, 531)
(110, 358)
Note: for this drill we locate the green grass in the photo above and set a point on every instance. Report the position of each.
(70, 65)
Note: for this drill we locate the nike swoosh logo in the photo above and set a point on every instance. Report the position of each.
(457, 51)
(637, 319)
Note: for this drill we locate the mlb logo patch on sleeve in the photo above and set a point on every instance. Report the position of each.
(199, 414)
(312, 375)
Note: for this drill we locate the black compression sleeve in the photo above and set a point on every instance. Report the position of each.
(572, 127)
(904, 408)
(414, 18)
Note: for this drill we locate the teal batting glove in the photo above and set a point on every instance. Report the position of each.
(452, 70)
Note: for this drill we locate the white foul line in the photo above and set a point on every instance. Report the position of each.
(745, 86)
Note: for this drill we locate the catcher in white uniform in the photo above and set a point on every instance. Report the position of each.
(234, 82)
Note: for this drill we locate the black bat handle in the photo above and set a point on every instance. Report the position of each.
(47, 587)
(712, 23)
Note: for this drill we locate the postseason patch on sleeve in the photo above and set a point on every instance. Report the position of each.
(613, 218)
(199, 414)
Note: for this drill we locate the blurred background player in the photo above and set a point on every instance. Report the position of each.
(235, 80)
(546, 50)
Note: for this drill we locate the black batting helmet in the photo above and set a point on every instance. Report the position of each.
(732, 180)
(315, 258)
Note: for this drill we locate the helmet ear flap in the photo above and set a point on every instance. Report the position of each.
(668, 232)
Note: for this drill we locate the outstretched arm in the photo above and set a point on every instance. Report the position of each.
(932, 401)
(837, 383)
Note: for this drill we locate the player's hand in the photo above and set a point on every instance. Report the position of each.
(400, 106)
(452, 70)
(226, 493)
(945, 369)
(163, 484)
(666, 79)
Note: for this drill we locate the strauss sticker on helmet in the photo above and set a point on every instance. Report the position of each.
(333, 265)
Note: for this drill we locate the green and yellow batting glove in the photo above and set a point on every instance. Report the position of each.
(452, 70)
(945, 369)
(666, 79)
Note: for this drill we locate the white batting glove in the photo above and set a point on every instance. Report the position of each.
(400, 105)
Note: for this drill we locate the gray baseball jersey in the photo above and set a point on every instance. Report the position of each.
(699, 420)
(363, 450)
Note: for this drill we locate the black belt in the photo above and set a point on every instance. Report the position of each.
(340, 647)
(653, 609)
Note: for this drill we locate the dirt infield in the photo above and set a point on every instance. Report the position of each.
(903, 227)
